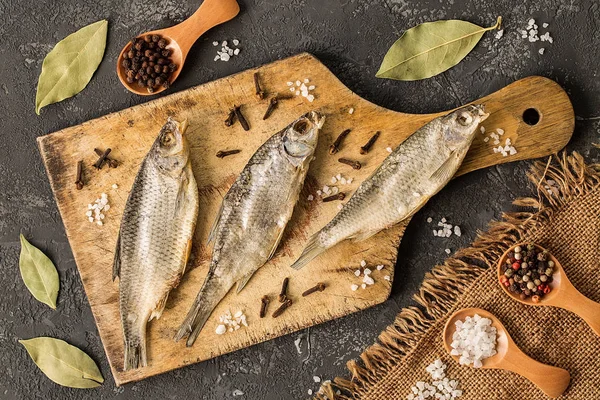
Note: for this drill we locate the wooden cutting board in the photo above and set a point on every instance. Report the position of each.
(130, 133)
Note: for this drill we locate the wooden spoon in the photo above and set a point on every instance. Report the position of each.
(553, 381)
(563, 293)
(181, 37)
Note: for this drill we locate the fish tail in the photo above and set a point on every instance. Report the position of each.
(313, 248)
(135, 355)
(210, 295)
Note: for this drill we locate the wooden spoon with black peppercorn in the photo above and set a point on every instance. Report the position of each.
(178, 41)
(562, 293)
(553, 381)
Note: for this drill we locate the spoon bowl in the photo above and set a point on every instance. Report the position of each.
(562, 294)
(181, 37)
(553, 381)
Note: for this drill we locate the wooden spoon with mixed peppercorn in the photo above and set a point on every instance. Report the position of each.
(531, 275)
(151, 62)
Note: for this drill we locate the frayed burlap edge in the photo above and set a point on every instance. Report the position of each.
(558, 181)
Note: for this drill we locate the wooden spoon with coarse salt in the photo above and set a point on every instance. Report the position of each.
(181, 37)
(562, 294)
(553, 381)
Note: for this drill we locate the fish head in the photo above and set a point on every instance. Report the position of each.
(461, 125)
(301, 136)
(170, 150)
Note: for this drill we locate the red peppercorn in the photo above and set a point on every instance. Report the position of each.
(547, 289)
(506, 283)
(516, 266)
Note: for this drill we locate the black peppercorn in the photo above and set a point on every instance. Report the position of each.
(129, 79)
(162, 43)
(150, 82)
(148, 53)
(138, 45)
(165, 69)
(126, 63)
(161, 61)
(159, 80)
(147, 38)
(157, 69)
(166, 84)
(172, 67)
(140, 82)
(153, 75)
(150, 89)
(149, 70)
(130, 54)
(145, 64)
(155, 38)
(165, 53)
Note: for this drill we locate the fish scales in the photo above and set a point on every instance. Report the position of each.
(253, 215)
(414, 172)
(155, 238)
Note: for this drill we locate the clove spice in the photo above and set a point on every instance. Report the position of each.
(283, 292)
(319, 287)
(264, 303)
(79, 178)
(259, 92)
(98, 164)
(353, 164)
(365, 149)
(284, 306)
(110, 161)
(338, 196)
(271, 107)
(240, 117)
(335, 147)
(230, 118)
(225, 153)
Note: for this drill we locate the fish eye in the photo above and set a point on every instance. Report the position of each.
(464, 119)
(301, 127)
(168, 139)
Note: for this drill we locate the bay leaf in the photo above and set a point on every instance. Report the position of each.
(39, 273)
(63, 363)
(431, 48)
(70, 65)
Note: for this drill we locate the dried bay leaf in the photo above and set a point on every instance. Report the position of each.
(431, 48)
(39, 273)
(63, 363)
(69, 66)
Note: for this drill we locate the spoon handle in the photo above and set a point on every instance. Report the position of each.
(553, 381)
(572, 300)
(210, 14)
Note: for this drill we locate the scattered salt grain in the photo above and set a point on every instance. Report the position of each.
(388, 149)
(226, 52)
(500, 131)
(379, 267)
(236, 42)
(482, 129)
(309, 392)
(354, 287)
(357, 272)
(364, 286)
(429, 219)
(415, 194)
(440, 387)
(541, 50)
(363, 263)
(457, 231)
(350, 111)
(316, 379)
(115, 186)
(545, 25)
(215, 43)
(221, 329)
(310, 197)
(368, 280)
(447, 251)
(340, 206)
(387, 277)
(367, 271)
(290, 83)
(499, 33)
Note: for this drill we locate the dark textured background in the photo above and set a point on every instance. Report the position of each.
(350, 37)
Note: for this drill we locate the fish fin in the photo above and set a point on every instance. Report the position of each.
(135, 355)
(209, 296)
(160, 307)
(181, 194)
(244, 281)
(213, 229)
(117, 259)
(313, 248)
(446, 170)
(364, 235)
(279, 236)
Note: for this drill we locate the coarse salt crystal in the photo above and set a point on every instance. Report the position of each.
(221, 329)
(357, 272)
(310, 98)
(306, 80)
(349, 180)
(415, 194)
(350, 111)
(545, 25)
(363, 263)
(482, 129)
(290, 83)
(500, 131)
(368, 280)
(340, 206)
(429, 219)
(115, 186)
(316, 379)
(215, 43)
(224, 43)
(354, 287)
(541, 50)
(298, 83)
(333, 179)
(367, 271)
(297, 92)
(225, 57)
(310, 197)
(99, 223)
(379, 267)
(364, 286)
(447, 251)
(387, 277)
(388, 149)
(236, 52)
(457, 230)
(236, 42)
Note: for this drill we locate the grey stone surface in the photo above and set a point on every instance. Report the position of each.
(350, 37)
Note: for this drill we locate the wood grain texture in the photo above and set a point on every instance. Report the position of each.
(130, 133)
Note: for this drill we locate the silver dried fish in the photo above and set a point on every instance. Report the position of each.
(155, 237)
(415, 171)
(253, 215)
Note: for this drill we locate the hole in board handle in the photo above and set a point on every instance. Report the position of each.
(531, 116)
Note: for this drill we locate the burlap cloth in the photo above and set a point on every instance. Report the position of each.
(567, 222)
